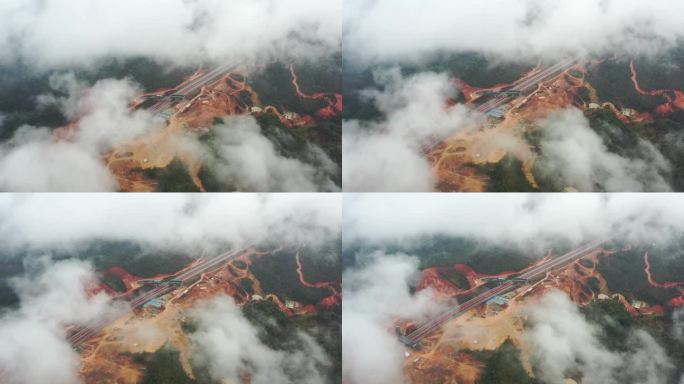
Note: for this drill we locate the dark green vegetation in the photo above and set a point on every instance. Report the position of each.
(455, 277)
(113, 281)
(163, 366)
(506, 175)
(503, 365)
(587, 263)
(279, 332)
(663, 71)
(585, 96)
(277, 273)
(357, 106)
(445, 251)
(150, 74)
(625, 140)
(594, 284)
(474, 68)
(624, 273)
(612, 81)
(616, 326)
(613, 320)
(667, 261)
(291, 143)
(8, 297)
(134, 258)
(137, 259)
(321, 263)
(173, 178)
(247, 285)
(321, 76)
(274, 86)
(20, 87)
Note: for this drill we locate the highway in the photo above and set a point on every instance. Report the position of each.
(528, 84)
(524, 86)
(194, 85)
(433, 324)
(86, 332)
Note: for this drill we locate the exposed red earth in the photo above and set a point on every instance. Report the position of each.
(334, 100)
(208, 95)
(106, 350)
(335, 298)
(453, 158)
(675, 302)
(488, 326)
(673, 103)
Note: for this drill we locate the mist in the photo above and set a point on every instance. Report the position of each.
(229, 346)
(562, 340)
(387, 155)
(532, 222)
(53, 295)
(375, 293)
(570, 148)
(34, 159)
(242, 156)
(386, 30)
(54, 221)
(54, 34)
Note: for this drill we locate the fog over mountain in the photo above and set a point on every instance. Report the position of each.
(389, 30)
(81, 32)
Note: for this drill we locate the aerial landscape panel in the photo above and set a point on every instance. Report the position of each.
(513, 288)
(170, 96)
(513, 96)
(153, 289)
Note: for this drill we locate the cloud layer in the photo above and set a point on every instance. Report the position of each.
(228, 344)
(241, 155)
(168, 220)
(52, 297)
(513, 218)
(53, 33)
(513, 29)
(573, 150)
(387, 155)
(562, 340)
(374, 294)
(34, 160)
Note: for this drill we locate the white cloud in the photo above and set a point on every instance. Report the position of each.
(513, 218)
(374, 294)
(54, 220)
(228, 344)
(243, 156)
(562, 339)
(34, 160)
(45, 165)
(55, 33)
(34, 347)
(388, 30)
(387, 155)
(572, 149)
